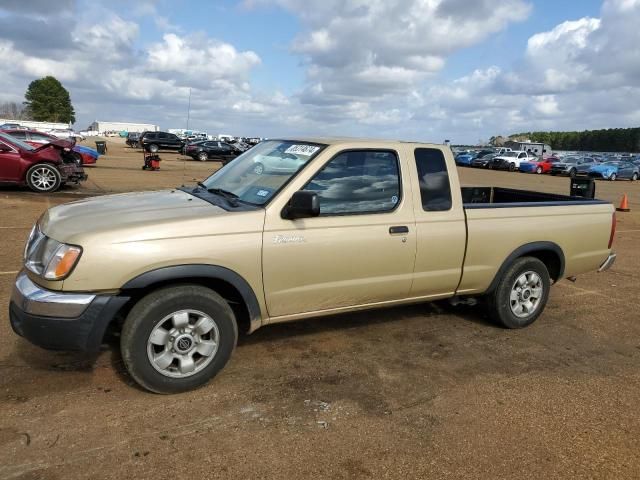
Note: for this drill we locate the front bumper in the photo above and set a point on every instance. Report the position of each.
(61, 321)
(608, 263)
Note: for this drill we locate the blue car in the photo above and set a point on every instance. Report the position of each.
(465, 159)
(614, 170)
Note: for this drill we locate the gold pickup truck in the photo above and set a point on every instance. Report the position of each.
(289, 230)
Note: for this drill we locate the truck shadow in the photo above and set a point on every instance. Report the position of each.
(356, 320)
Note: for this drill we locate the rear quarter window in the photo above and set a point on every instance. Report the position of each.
(433, 178)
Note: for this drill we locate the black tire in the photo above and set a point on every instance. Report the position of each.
(150, 311)
(203, 156)
(613, 177)
(499, 301)
(634, 177)
(153, 148)
(512, 167)
(539, 170)
(572, 173)
(43, 178)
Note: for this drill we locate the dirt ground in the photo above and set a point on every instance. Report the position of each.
(426, 391)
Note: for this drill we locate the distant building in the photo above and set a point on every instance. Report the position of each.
(538, 149)
(99, 126)
(42, 126)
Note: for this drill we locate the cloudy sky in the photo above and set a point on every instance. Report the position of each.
(412, 69)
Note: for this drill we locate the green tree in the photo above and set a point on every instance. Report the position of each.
(49, 101)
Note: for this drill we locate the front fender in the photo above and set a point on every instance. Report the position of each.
(210, 272)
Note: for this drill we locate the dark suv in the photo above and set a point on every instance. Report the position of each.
(154, 141)
(132, 139)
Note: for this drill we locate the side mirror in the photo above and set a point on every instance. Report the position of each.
(303, 204)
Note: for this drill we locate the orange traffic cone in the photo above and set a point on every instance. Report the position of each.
(624, 204)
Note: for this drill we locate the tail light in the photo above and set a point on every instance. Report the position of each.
(613, 229)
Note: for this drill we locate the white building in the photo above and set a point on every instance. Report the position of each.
(42, 126)
(99, 126)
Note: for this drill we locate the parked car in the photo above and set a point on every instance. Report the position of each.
(277, 161)
(353, 230)
(43, 169)
(572, 166)
(211, 149)
(538, 165)
(65, 134)
(11, 126)
(615, 170)
(511, 160)
(133, 139)
(89, 156)
(465, 159)
(484, 161)
(156, 141)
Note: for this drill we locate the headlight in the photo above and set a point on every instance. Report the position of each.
(49, 258)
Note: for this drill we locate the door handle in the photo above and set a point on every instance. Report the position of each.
(398, 230)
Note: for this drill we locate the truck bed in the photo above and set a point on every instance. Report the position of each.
(499, 197)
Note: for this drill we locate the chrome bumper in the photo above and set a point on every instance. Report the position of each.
(608, 263)
(35, 300)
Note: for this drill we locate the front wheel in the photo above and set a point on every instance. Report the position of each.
(154, 148)
(634, 177)
(613, 177)
(43, 178)
(572, 173)
(539, 170)
(521, 294)
(178, 338)
(203, 157)
(512, 167)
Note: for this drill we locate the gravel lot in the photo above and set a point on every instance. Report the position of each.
(426, 391)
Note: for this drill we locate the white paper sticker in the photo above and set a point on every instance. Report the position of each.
(262, 193)
(306, 150)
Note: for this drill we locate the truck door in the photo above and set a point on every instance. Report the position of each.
(360, 250)
(440, 227)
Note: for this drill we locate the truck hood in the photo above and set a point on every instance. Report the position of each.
(134, 216)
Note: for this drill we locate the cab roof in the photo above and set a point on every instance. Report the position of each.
(354, 141)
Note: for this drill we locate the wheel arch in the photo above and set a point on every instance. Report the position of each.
(227, 283)
(548, 253)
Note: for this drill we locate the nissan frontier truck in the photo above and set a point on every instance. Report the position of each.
(344, 225)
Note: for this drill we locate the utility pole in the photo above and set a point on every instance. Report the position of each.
(189, 109)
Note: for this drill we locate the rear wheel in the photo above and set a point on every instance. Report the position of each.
(613, 177)
(178, 338)
(521, 294)
(512, 167)
(153, 148)
(539, 170)
(43, 178)
(634, 177)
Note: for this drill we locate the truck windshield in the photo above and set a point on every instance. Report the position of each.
(259, 173)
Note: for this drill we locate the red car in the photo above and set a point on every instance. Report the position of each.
(42, 169)
(37, 139)
(538, 166)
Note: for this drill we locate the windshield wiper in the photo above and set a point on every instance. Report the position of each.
(231, 197)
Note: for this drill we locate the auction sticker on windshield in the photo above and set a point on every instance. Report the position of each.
(306, 150)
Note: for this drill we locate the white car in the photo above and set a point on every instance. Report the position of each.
(278, 162)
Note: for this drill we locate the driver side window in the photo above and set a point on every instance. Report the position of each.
(358, 182)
